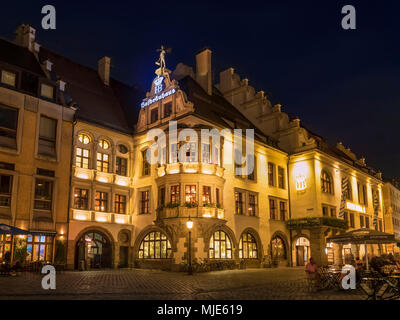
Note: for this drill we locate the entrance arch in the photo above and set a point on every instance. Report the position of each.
(302, 251)
(95, 249)
(278, 249)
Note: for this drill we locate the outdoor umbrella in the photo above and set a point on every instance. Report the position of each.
(363, 236)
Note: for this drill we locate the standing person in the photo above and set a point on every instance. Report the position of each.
(312, 271)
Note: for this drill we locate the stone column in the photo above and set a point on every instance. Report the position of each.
(338, 254)
(318, 246)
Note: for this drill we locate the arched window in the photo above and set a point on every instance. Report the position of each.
(155, 246)
(103, 162)
(220, 246)
(278, 248)
(248, 247)
(104, 144)
(82, 155)
(326, 182)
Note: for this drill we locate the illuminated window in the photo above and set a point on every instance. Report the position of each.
(47, 91)
(5, 244)
(238, 202)
(220, 246)
(121, 165)
(84, 138)
(120, 204)
(206, 195)
(271, 174)
(205, 153)
(175, 194)
(252, 205)
(101, 201)
(104, 144)
(43, 194)
(190, 193)
(8, 78)
(102, 162)
(39, 248)
(155, 246)
(278, 248)
(144, 202)
(362, 194)
(247, 247)
(82, 158)
(191, 152)
(81, 199)
(5, 190)
(326, 182)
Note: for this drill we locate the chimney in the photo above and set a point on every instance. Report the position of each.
(203, 70)
(104, 70)
(25, 36)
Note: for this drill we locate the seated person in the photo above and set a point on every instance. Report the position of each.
(312, 270)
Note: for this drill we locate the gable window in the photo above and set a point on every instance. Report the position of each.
(43, 194)
(47, 91)
(238, 202)
(8, 126)
(326, 182)
(175, 194)
(81, 199)
(47, 136)
(8, 78)
(144, 202)
(190, 193)
(120, 204)
(281, 178)
(5, 190)
(145, 164)
(271, 174)
(167, 109)
(153, 115)
(102, 162)
(121, 166)
(101, 201)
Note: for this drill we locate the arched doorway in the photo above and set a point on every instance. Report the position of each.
(302, 251)
(278, 250)
(94, 248)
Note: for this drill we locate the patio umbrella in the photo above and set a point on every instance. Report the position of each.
(363, 236)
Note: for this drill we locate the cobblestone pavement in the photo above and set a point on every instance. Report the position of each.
(264, 284)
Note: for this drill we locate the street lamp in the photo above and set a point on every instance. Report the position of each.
(189, 225)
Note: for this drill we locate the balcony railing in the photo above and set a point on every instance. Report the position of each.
(196, 212)
(104, 217)
(190, 167)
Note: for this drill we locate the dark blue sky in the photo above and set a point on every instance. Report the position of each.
(344, 85)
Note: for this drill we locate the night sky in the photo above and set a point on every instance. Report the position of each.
(343, 84)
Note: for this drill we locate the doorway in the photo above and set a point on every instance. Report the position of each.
(302, 251)
(93, 250)
(123, 256)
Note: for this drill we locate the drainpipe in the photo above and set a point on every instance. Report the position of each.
(290, 212)
(70, 185)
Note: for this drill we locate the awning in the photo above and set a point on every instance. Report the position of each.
(362, 236)
(6, 229)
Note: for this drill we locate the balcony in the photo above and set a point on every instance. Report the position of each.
(102, 217)
(196, 212)
(104, 177)
(190, 167)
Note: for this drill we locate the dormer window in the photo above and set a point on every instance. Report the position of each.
(8, 78)
(47, 91)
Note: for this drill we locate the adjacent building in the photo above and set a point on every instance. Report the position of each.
(391, 200)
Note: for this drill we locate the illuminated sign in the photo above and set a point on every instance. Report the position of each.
(301, 183)
(158, 84)
(149, 101)
(355, 207)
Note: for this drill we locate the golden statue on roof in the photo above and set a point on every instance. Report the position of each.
(161, 61)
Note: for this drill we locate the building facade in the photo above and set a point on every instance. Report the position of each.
(127, 170)
(391, 200)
